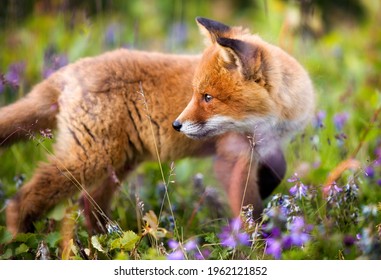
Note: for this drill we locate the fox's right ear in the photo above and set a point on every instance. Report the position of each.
(250, 60)
(212, 29)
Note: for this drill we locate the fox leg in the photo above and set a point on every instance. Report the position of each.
(247, 180)
(238, 173)
(98, 201)
(52, 182)
(271, 171)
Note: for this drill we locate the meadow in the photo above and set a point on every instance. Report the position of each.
(327, 207)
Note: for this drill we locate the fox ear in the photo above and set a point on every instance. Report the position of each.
(212, 29)
(244, 57)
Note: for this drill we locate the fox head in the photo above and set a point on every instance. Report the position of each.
(232, 85)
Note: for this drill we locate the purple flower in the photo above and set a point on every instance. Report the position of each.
(351, 192)
(274, 247)
(298, 236)
(349, 240)
(1, 84)
(299, 190)
(332, 190)
(176, 255)
(299, 232)
(190, 245)
(53, 62)
(178, 252)
(340, 120)
(15, 74)
(231, 236)
(318, 120)
(110, 35)
(274, 243)
(369, 171)
(203, 255)
(294, 178)
(377, 152)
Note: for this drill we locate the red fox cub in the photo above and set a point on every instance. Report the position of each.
(113, 110)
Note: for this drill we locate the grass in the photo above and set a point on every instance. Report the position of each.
(176, 210)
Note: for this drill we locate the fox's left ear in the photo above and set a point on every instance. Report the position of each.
(246, 58)
(212, 29)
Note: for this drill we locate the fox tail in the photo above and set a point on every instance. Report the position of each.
(35, 112)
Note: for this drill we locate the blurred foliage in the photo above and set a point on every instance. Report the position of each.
(339, 42)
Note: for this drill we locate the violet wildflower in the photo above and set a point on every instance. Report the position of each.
(281, 207)
(318, 120)
(298, 236)
(299, 190)
(349, 240)
(294, 178)
(274, 243)
(1, 84)
(340, 120)
(369, 171)
(202, 255)
(176, 255)
(276, 213)
(377, 153)
(351, 192)
(110, 35)
(299, 232)
(46, 133)
(232, 236)
(53, 62)
(179, 251)
(15, 73)
(332, 191)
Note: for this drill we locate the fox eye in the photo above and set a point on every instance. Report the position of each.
(207, 97)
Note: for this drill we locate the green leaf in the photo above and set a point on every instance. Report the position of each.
(23, 248)
(58, 212)
(211, 238)
(126, 242)
(121, 256)
(115, 244)
(5, 236)
(24, 237)
(96, 243)
(53, 238)
(129, 240)
(7, 255)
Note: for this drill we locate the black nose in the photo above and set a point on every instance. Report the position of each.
(177, 125)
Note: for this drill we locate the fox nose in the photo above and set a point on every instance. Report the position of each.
(177, 125)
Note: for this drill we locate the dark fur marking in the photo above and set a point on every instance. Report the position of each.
(271, 172)
(88, 131)
(214, 27)
(77, 141)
